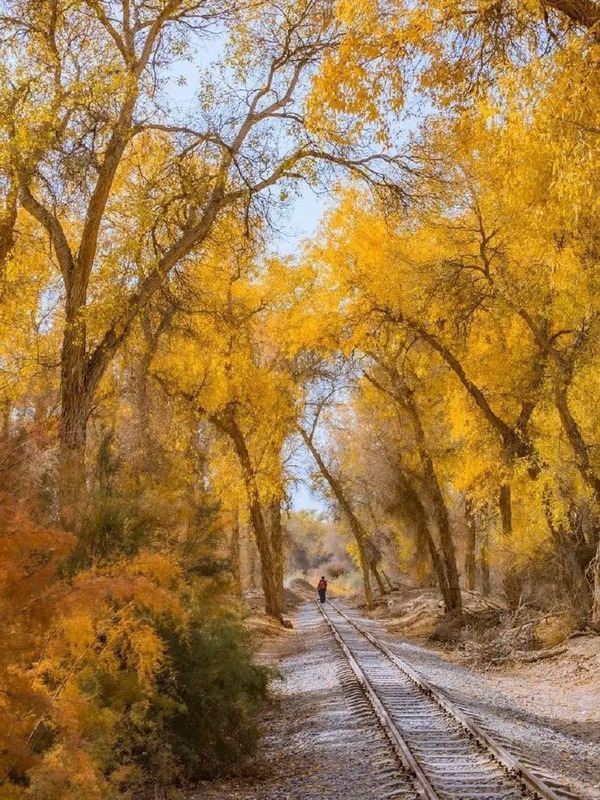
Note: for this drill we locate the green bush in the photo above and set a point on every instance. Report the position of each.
(218, 690)
(196, 717)
(199, 721)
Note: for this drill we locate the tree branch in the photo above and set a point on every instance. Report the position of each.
(54, 229)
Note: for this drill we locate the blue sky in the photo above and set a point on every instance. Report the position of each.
(302, 223)
(303, 499)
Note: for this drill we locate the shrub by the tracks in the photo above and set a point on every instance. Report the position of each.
(119, 680)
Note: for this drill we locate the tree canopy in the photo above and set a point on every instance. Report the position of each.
(430, 356)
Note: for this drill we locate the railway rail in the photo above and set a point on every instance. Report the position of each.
(445, 751)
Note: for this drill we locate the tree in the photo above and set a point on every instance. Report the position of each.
(92, 141)
(219, 361)
(404, 397)
(363, 544)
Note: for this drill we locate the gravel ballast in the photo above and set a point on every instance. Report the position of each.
(509, 708)
(321, 741)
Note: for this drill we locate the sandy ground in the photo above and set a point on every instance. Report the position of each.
(564, 696)
(316, 746)
(565, 691)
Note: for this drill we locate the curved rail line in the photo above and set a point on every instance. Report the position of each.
(450, 756)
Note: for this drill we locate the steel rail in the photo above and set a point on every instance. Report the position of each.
(423, 786)
(500, 753)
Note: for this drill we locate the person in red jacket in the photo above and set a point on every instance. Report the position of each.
(322, 588)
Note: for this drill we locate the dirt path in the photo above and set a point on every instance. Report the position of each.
(320, 741)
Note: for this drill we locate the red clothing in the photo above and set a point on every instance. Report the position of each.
(322, 584)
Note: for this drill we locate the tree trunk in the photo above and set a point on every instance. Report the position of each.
(364, 569)
(388, 581)
(74, 413)
(270, 576)
(250, 558)
(449, 555)
(505, 506)
(406, 400)
(236, 565)
(484, 565)
(270, 588)
(378, 578)
(276, 536)
(355, 524)
(470, 557)
(373, 554)
(415, 511)
(511, 582)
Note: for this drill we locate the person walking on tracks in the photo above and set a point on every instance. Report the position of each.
(322, 589)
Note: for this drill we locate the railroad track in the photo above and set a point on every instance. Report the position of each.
(446, 753)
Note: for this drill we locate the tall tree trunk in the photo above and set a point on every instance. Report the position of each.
(449, 553)
(236, 564)
(360, 534)
(276, 536)
(250, 558)
(406, 401)
(365, 572)
(414, 511)
(271, 577)
(374, 558)
(74, 413)
(271, 590)
(512, 583)
(484, 565)
(470, 554)
(505, 506)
